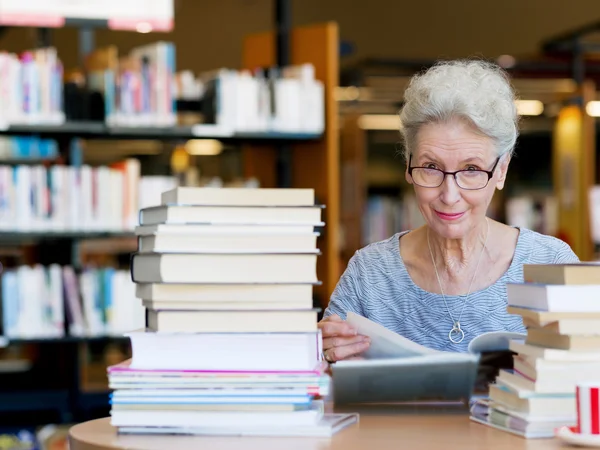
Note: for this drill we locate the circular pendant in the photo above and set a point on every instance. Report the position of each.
(456, 335)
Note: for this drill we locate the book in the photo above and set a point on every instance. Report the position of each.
(397, 369)
(253, 351)
(240, 215)
(542, 318)
(223, 229)
(238, 197)
(562, 274)
(528, 402)
(554, 298)
(223, 268)
(552, 354)
(548, 339)
(552, 372)
(327, 426)
(219, 293)
(227, 305)
(223, 419)
(528, 426)
(227, 243)
(231, 321)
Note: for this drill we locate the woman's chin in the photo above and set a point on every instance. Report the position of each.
(451, 230)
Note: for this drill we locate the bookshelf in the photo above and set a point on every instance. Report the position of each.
(57, 383)
(100, 130)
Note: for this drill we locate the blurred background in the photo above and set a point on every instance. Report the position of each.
(104, 104)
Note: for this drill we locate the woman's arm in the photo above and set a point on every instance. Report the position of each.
(346, 295)
(565, 254)
(340, 340)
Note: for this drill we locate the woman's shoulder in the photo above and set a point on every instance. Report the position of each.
(538, 248)
(377, 261)
(384, 250)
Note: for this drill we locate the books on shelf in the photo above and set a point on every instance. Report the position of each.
(137, 88)
(558, 305)
(387, 215)
(96, 302)
(31, 88)
(27, 148)
(69, 198)
(231, 345)
(275, 100)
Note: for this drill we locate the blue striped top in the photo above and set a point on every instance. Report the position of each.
(376, 285)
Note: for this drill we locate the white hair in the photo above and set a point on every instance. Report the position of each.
(473, 90)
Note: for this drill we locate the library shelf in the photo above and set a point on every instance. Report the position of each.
(5, 342)
(21, 236)
(68, 404)
(55, 399)
(99, 130)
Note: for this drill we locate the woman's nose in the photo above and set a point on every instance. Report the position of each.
(450, 190)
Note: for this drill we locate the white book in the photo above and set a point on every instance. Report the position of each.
(219, 293)
(56, 300)
(238, 196)
(23, 198)
(554, 298)
(327, 426)
(223, 229)
(86, 212)
(231, 321)
(240, 215)
(230, 306)
(225, 351)
(210, 419)
(227, 243)
(74, 198)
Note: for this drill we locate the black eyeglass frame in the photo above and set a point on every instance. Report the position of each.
(490, 174)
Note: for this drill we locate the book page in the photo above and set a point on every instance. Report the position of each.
(385, 343)
(494, 341)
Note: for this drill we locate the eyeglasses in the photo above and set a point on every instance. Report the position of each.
(465, 179)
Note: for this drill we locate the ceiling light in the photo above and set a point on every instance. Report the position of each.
(593, 108)
(529, 107)
(506, 61)
(379, 122)
(203, 147)
(143, 27)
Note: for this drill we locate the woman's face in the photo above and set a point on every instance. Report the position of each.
(450, 211)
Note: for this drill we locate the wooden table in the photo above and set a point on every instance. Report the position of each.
(378, 429)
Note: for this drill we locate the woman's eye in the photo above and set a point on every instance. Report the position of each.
(430, 166)
(472, 168)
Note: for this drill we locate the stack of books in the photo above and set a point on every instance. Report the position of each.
(560, 307)
(231, 344)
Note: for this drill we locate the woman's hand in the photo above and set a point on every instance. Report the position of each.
(340, 340)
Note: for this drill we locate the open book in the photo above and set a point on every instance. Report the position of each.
(396, 369)
(387, 344)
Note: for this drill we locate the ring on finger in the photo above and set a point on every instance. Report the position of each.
(324, 355)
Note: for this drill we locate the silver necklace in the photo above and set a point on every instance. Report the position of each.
(456, 334)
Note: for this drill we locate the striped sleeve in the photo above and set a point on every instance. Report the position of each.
(564, 254)
(346, 296)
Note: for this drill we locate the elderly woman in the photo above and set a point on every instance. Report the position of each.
(444, 283)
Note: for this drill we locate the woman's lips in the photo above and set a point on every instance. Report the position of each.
(449, 216)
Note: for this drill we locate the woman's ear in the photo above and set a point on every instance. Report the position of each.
(503, 170)
(407, 176)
